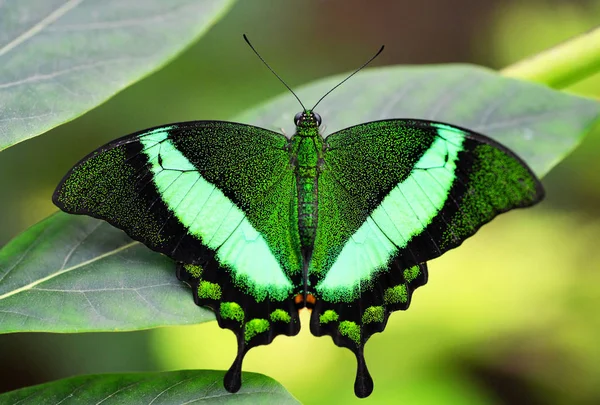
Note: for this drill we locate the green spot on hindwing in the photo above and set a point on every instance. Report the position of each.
(328, 316)
(351, 330)
(373, 314)
(193, 270)
(395, 295)
(209, 290)
(279, 315)
(255, 326)
(411, 273)
(232, 310)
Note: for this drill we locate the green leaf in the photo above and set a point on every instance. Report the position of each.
(78, 274)
(174, 387)
(59, 59)
(106, 269)
(540, 124)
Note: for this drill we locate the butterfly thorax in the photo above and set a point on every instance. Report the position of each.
(307, 155)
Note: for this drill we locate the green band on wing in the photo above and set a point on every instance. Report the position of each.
(404, 213)
(213, 218)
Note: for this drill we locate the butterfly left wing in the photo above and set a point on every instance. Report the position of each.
(394, 194)
(217, 197)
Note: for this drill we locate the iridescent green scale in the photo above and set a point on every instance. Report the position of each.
(261, 226)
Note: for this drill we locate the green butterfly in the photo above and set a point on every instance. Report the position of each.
(262, 225)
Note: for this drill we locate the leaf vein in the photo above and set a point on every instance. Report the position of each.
(168, 388)
(36, 78)
(39, 26)
(51, 276)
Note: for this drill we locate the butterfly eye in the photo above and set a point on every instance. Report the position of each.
(317, 119)
(298, 117)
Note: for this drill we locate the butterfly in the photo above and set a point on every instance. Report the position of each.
(262, 225)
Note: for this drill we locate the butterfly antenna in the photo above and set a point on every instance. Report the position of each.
(276, 75)
(355, 72)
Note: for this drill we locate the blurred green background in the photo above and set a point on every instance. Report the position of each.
(509, 318)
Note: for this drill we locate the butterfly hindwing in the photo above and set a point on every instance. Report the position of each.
(217, 197)
(394, 194)
(351, 324)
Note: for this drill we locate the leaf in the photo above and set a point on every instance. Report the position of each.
(174, 387)
(59, 59)
(37, 294)
(78, 274)
(541, 125)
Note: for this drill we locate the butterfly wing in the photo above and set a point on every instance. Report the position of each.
(394, 194)
(217, 197)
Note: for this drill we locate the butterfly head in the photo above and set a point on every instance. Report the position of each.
(307, 119)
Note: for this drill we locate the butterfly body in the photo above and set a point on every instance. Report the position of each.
(306, 157)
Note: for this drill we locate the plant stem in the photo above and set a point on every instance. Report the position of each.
(562, 65)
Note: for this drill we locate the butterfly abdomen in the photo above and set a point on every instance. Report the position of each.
(307, 150)
(307, 205)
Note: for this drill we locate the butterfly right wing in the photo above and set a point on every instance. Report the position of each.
(218, 197)
(394, 194)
